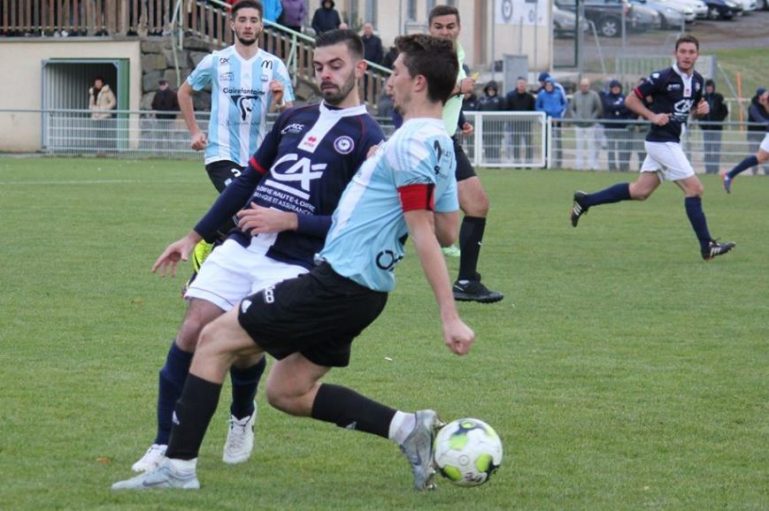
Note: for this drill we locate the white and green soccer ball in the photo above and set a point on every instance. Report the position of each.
(467, 451)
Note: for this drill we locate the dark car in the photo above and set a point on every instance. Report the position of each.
(607, 15)
(723, 9)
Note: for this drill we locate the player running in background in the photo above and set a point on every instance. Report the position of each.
(762, 156)
(246, 83)
(444, 23)
(675, 92)
(294, 182)
(407, 188)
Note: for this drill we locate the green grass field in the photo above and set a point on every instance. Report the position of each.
(621, 371)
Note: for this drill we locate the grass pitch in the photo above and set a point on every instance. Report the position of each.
(621, 371)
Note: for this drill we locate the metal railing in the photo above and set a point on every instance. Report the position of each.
(500, 139)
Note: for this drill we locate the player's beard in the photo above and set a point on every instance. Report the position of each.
(335, 96)
(247, 42)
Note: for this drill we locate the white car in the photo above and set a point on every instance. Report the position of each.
(686, 10)
(748, 5)
(700, 8)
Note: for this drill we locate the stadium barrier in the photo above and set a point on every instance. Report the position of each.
(499, 139)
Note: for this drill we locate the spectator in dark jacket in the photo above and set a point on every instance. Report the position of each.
(166, 107)
(390, 56)
(712, 125)
(618, 137)
(372, 45)
(326, 18)
(519, 131)
(492, 126)
(758, 119)
(294, 12)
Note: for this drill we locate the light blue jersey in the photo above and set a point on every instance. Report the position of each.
(240, 100)
(369, 229)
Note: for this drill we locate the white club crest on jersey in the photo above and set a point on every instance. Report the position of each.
(344, 144)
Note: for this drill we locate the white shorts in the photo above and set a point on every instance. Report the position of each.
(765, 144)
(231, 272)
(668, 160)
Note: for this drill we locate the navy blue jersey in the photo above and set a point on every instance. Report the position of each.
(303, 166)
(672, 93)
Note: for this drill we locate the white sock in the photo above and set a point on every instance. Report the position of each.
(401, 426)
(184, 466)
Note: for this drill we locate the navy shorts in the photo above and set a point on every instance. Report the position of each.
(317, 314)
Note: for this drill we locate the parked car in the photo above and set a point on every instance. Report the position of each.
(671, 19)
(565, 23)
(723, 9)
(747, 5)
(642, 18)
(607, 15)
(700, 8)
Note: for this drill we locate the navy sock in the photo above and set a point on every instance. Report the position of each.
(193, 413)
(170, 384)
(614, 193)
(244, 385)
(348, 409)
(750, 161)
(470, 239)
(697, 219)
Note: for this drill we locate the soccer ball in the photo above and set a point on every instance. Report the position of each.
(467, 451)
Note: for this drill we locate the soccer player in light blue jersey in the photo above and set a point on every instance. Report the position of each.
(246, 82)
(408, 188)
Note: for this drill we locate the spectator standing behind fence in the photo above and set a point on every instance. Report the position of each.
(166, 106)
(372, 44)
(585, 109)
(325, 18)
(101, 101)
(758, 119)
(293, 15)
(492, 127)
(618, 134)
(553, 102)
(712, 126)
(519, 131)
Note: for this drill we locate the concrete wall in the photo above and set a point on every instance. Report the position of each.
(23, 58)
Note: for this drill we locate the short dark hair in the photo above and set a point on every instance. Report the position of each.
(688, 38)
(248, 4)
(349, 37)
(433, 58)
(443, 10)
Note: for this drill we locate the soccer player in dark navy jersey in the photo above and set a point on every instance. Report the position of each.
(309, 323)
(284, 200)
(761, 156)
(675, 92)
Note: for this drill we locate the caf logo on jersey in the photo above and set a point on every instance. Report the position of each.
(344, 145)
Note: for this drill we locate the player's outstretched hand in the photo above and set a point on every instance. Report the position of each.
(177, 251)
(258, 219)
(458, 336)
(199, 141)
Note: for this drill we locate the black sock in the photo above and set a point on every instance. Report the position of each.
(191, 417)
(348, 409)
(610, 195)
(750, 161)
(244, 385)
(697, 219)
(170, 384)
(470, 239)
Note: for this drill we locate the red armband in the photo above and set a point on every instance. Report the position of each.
(417, 196)
(255, 165)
